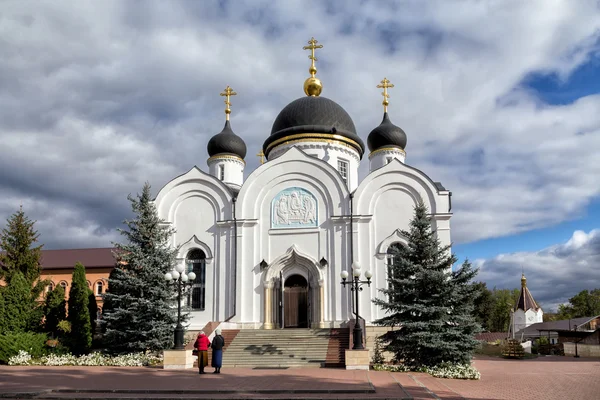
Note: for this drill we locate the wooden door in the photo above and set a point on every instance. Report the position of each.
(295, 303)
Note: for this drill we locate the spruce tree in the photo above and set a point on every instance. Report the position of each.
(17, 240)
(20, 256)
(80, 338)
(432, 306)
(139, 313)
(55, 310)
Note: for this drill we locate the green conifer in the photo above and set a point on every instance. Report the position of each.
(16, 311)
(80, 338)
(139, 313)
(20, 256)
(55, 310)
(432, 305)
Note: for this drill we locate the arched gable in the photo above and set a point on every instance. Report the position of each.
(194, 183)
(293, 258)
(295, 168)
(195, 243)
(400, 177)
(382, 248)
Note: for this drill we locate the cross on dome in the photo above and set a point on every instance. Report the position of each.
(227, 93)
(385, 85)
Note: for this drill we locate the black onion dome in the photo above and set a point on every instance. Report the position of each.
(314, 115)
(386, 135)
(226, 142)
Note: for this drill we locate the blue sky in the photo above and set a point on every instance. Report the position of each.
(499, 101)
(554, 90)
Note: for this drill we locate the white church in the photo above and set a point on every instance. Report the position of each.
(268, 249)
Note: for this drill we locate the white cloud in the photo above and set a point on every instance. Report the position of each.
(554, 274)
(96, 99)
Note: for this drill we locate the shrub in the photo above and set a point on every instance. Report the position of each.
(377, 353)
(444, 370)
(93, 359)
(55, 310)
(11, 343)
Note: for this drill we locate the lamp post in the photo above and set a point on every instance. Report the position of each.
(180, 280)
(356, 286)
(576, 341)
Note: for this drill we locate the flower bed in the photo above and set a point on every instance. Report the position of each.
(92, 359)
(446, 370)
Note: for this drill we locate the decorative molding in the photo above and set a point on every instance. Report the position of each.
(396, 236)
(293, 258)
(269, 284)
(294, 208)
(320, 144)
(226, 158)
(388, 150)
(313, 137)
(195, 243)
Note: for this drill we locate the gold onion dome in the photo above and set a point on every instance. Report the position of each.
(227, 142)
(386, 134)
(313, 118)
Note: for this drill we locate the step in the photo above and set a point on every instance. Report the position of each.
(283, 348)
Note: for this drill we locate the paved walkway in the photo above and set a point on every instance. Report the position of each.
(542, 378)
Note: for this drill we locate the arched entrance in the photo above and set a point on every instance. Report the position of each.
(295, 302)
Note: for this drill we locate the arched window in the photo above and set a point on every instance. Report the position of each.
(50, 287)
(64, 284)
(196, 262)
(89, 284)
(392, 259)
(99, 288)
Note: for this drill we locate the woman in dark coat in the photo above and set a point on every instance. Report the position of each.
(202, 344)
(217, 351)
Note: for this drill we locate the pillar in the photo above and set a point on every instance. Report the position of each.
(268, 285)
(321, 303)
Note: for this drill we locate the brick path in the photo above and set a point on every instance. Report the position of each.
(542, 378)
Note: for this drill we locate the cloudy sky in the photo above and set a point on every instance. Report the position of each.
(500, 101)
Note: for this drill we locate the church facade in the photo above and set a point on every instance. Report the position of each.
(268, 249)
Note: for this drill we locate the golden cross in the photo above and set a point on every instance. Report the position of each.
(385, 84)
(228, 92)
(262, 157)
(312, 46)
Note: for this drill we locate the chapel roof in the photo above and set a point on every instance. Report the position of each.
(526, 301)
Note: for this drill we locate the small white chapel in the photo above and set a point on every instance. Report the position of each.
(268, 246)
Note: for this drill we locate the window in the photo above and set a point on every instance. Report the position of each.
(64, 284)
(99, 288)
(50, 287)
(392, 258)
(196, 262)
(343, 169)
(388, 160)
(89, 284)
(221, 172)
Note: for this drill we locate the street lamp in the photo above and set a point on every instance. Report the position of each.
(356, 286)
(180, 280)
(576, 341)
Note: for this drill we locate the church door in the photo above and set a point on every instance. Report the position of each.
(296, 302)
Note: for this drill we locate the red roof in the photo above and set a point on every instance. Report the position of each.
(491, 336)
(90, 258)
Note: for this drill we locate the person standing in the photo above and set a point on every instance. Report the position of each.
(217, 351)
(202, 344)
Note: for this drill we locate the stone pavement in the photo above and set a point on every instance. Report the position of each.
(542, 378)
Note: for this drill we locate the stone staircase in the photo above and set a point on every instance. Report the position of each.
(284, 348)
